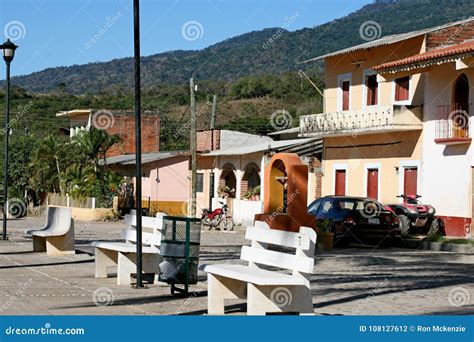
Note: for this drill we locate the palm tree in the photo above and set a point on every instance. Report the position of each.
(49, 163)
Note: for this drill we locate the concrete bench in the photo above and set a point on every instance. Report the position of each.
(57, 236)
(123, 254)
(267, 291)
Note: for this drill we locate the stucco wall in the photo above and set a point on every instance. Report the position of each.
(389, 152)
(173, 175)
(446, 170)
(338, 65)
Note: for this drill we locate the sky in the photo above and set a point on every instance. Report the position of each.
(53, 33)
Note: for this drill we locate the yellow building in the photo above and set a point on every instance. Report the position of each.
(373, 124)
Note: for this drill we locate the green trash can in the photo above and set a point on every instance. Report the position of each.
(180, 243)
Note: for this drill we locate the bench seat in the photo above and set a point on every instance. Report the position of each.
(123, 254)
(267, 291)
(254, 275)
(124, 247)
(57, 235)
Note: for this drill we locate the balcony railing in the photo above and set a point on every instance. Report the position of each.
(371, 119)
(452, 125)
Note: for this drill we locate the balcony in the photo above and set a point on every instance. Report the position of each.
(452, 124)
(378, 119)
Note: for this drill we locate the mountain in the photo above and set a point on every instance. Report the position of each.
(270, 51)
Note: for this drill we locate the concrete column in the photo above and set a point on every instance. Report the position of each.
(238, 175)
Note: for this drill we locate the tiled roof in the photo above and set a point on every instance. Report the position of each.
(440, 53)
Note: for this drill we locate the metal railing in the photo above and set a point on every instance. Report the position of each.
(453, 121)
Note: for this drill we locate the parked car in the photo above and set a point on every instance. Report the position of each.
(356, 219)
(416, 217)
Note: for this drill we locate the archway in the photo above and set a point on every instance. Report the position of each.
(286, 193)
(250, 181)
(460, 107)
(461, 91)
(227, 181)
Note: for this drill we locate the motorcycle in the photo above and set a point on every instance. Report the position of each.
(217, 219)
(417, 217)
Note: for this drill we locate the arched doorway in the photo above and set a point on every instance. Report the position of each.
(227, 181)
(460, 107)
(250, 184)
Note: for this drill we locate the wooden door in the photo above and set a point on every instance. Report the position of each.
(340, 183)
(345, 95)
(410, 182)
(372, 183)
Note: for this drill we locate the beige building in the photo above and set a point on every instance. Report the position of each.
(378, 123)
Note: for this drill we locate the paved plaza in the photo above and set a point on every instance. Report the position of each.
(350, 281)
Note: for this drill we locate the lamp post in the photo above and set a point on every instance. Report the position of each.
(138, 136)
(8, 49)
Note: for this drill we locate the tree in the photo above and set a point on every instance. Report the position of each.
(52, 156)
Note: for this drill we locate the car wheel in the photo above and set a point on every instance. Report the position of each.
(405, 225)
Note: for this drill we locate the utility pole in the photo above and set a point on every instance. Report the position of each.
(213, 126)
(138, 142)
(193, 144)
(214, 111)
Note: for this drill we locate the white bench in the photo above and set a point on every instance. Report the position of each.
(123, 254)
(267, 291)
(57, 236)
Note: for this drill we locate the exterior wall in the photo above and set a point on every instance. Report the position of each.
(121, 123)
(447, 169)
(171, 193)
(388, 152)
(345, 64)
(167, 180)
(243, 211)
(124, 127)
(208, 140)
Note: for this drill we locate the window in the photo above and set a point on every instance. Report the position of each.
(402, 89)
(372, 90)
(199, 182)
(344, 82)
(345, 94)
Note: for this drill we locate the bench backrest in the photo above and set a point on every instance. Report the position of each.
(59, 220)
(151, 230)
(302, 245)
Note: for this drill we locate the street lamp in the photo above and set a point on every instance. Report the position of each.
(8, 50)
